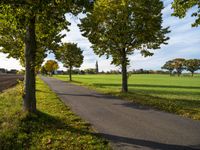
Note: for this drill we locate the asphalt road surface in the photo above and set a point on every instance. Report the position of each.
(126, 125)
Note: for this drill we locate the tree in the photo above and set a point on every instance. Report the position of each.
(169, 66)
(182, 6)
(51, 66)
(179, 65)
(70, 55)
(192, 65)
(28, 29)
(43, 71)
(118, 28)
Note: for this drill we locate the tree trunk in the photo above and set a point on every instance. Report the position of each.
(192, 74)
(30, 50)
(170, 73)
(178, 73)
(124, 73)
(70, 73)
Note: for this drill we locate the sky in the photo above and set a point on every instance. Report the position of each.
(184, 43)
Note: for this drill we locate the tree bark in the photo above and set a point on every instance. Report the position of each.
(192, 74)
(70, 73)
(124, 73)
(30, 50)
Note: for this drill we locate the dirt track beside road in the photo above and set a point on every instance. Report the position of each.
(9, 80)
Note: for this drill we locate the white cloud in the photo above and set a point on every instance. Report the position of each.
(9, 63)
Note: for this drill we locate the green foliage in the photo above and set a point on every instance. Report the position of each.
(192, 65)
(29, 28)
(172, 94)
(70, 55)
(179, 64)
(168, 66)
(50, 66)
(124, 25)
(49, 19)
(119, 28)
(54, 126)
(43, 71)
(182, 6)
(49, 22)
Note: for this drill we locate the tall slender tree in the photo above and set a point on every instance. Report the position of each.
(28, 28)
(118, 28)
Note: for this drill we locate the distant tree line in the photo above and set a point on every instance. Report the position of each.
(12, 71)
(93, 71)
(178, 65)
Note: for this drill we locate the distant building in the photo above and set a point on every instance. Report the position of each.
(59, 72)
(97, 67)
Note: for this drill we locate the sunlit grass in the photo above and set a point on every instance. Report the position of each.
(180, 95)
(53, 127)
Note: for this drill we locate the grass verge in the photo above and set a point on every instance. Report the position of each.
(172, 94)
(53, 127)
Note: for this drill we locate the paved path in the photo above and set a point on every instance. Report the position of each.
(127, 125)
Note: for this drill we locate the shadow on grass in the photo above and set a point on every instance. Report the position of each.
(73, 81)
(32, 126)
(42, 91)
(42, 122)
(148, 85)
(143, 97)
(45, 122)
(151, 89)
(139, 97)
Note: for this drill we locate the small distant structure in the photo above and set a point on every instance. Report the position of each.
(97, 67)
(59, 72)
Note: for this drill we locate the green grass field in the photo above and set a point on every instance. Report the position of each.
(53, 127)
(180, 95)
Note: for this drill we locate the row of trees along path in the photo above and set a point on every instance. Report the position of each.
(29, 29)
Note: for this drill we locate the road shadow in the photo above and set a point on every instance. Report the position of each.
(123, 142)
(135, 106)
(100, 96)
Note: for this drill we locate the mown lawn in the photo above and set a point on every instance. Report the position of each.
(180, 95)
(53, 127)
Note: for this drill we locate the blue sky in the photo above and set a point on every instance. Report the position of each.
(184, 43)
